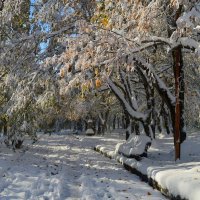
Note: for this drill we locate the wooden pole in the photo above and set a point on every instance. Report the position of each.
(178, 68)
(177, 134)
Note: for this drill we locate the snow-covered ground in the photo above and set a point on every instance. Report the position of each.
(60, 167)
(181, 178)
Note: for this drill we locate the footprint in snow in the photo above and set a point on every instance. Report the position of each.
(54, 173)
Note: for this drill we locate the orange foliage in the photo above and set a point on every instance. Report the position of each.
(98, 83)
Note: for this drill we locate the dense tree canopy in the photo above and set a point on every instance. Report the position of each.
(127, 63)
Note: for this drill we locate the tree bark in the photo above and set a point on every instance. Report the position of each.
(5, 130)
(114, 122)
(179, 133)
(127, 124)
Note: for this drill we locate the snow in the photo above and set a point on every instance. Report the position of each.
(189, 43)
(89, 131)
(181, 178)
(61, 167)
(181, 181)
(135, 145)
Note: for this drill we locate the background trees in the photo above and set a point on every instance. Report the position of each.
(101, 59)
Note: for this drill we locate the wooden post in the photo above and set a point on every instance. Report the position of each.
(177, 62)
(178, 69)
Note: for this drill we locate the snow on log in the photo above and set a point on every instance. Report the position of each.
(89, 131)
(135, 147)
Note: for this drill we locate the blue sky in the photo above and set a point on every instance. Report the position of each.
(44, 27)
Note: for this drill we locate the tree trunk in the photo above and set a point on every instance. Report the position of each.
(158, 123)
(114, 122)
(127, 124)
(179, 134)
(99, 129)
(5, 130)
(165, 117)
(5, 127)
(177, 117)
(153, 114)
(135, 127)
(147, 129)
(2, 5)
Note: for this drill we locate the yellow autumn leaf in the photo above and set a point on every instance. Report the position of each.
(84, 87)
(96, 71)
(104, 21)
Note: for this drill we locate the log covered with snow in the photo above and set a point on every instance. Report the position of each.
(135, 147)
(89, 132)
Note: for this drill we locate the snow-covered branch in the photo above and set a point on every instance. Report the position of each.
(155, 39)
(187, 43)
(134, 114)
(162, 89)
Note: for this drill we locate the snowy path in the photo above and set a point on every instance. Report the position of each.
(66, 167)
